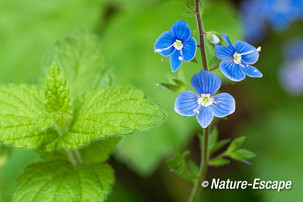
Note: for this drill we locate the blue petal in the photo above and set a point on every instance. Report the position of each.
(225, 52)
(205, 116)
(186, 103)
(205, 82)
(251, 71)
(227, 39)
(189, 49)
(165, 40)
(175, 63)
(180, 30)
(224, 104)
(231, 70)
(243, 47)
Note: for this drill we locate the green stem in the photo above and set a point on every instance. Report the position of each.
(203, 168)
(201, 37)
(204, 153)
(74, 157)
(217, 157)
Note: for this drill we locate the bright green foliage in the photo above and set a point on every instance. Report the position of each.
(45, 121)
(115, 111)
(81, 59)
(20, 118)
(57, 97)
(60, 181)
(99, 151)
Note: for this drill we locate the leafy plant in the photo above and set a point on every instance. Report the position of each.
(73, 123)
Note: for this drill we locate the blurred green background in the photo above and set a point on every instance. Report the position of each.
(269, 118)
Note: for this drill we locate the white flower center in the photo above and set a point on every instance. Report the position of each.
(205, 100)
(237, 58)
(178, 44)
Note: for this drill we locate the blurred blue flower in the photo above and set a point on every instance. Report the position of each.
(205, 105)
(277, 13)
(177, 44)
(291, 72)
(237, 59)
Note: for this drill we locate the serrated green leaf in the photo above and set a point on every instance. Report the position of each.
(19, 108)
(45, 120)
(236, 143)
(60, 181)
(99, 151)
(219, 162)
(116, 111)
(57, 95)
(81, 59)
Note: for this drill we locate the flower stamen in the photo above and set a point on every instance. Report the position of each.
(258, 50)
(205, 100)
(168, 56)
(160, 50)
(237, 58)
(178, 44)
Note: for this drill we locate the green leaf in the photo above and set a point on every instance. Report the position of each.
(236, 144)
(194, 61)
(59, 181)
(219, 162)
(171, 87)
(57, 95)
(240, 154)
(116, 111)
(190, 4)
(179, 166)
(218, 146)
(81, 59)
(21, 119)
(99, 151)
(46, 120)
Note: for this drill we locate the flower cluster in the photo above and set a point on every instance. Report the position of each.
(257, 14)
(237, 59)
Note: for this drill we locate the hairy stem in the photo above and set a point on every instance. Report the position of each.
(203, 168)
(201, 32)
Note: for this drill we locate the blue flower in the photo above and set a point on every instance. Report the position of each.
(238, 59)
(279, 14)
(205, 105)
(177, 44)
(291, 72)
